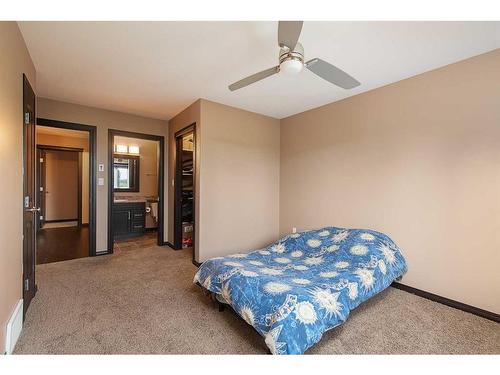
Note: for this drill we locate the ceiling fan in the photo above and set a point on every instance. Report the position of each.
(291, 61)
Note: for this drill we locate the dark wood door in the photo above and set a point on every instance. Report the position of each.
(30, 208)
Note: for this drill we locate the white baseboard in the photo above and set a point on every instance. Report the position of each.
(14, 328)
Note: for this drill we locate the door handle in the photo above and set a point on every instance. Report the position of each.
(33, 209)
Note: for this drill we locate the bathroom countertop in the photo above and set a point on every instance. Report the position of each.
(133, 199)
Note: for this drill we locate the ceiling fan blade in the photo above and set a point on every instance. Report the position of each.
(331, 73)
(254, 78)
(288, 33)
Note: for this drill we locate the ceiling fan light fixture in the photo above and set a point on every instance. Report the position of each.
(291, 61)
(291, 67)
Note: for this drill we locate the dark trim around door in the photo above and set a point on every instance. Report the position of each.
(59, 148)
(40, 181)
(161, 181)
(92, 130)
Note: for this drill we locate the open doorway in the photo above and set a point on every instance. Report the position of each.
(60, 181)
(66, 157)
(63, 189)
(184, 201)
(136, 186)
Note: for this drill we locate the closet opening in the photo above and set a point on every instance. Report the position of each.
(185, 194)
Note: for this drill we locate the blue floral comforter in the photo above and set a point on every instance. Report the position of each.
(304, 284)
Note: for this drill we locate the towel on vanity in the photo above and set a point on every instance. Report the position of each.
(154, 210)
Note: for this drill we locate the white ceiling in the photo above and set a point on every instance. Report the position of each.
(156, 69)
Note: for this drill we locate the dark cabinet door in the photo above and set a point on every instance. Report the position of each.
(121, 222)
(128, 220)
(138, 221)
(137, 215)
(137, 227)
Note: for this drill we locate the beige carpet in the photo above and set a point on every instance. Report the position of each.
(142, 300)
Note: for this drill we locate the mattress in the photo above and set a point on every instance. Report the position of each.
(304, 284)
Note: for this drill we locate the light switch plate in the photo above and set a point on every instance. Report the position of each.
(101, 167)
(100, 181)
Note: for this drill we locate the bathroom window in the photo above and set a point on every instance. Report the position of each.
(126, 173)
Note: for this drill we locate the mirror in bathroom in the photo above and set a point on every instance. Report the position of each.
(126, 173)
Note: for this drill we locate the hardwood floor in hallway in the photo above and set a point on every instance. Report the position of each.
(64, 243)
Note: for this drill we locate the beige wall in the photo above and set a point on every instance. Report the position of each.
(418, 160)
(148, 166)
(14, 62)
(239, 180)
(64, 141)
(103, 120)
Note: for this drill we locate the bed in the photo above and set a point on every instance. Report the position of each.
(304, 284)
